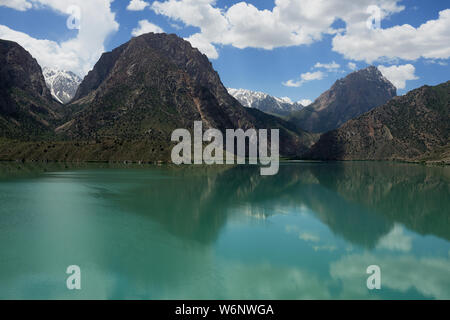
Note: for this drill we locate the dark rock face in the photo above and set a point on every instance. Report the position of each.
(26, 105)
(348, 98)
(412, 127)
(96, 76)
(156, 83)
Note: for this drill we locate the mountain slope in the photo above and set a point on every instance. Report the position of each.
(62, 84)
(154, 84)
(347, 99)
(412, 127)
(27, 109)
(264, 102)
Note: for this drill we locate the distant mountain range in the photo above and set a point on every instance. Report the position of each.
(264, 102)
(62, 84)
(348, 98)
(127, 107)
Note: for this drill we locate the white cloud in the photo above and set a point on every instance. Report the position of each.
(310, 76)
(176, 26)
(305, 102)
(146, 26)
(78, 54)
(305, 77)
(289, 23)
(302, 22)
(430, 40)
(292, 83)
(333, 66)
(250, 27)
(20, 5)
(352, 66)
(439, 62)
(197, 13)
(198, 41)
(398, 75)
(137, 5)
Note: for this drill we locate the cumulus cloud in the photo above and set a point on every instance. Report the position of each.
(145, 26)
(309, 76)
(434, 61)
(292, 83)
(430, 40)
(352, 66)
(398, 75)
(78, 54)
(137, 5)
(302, 22)
(333, 66)
(289, 23)
(305, 77)
(198, 41)
(20, 5)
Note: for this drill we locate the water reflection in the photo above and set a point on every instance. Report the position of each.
(195, 204)
(225, 233)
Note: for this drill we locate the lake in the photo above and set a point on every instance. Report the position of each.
(142, 232)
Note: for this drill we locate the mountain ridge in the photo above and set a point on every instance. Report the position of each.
(413, 127)
(156, 83)
(264, 102)
(127, 107)
(63, 84)
(348, 98)
(27, 109)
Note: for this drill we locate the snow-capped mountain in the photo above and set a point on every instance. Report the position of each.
(62, 84)
(264, 102)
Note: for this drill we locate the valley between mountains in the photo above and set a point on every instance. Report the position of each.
(128, 105)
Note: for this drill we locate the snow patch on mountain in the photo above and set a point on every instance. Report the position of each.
(264, 102)
(62, 84)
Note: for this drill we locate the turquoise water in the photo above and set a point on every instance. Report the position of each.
(225, 233)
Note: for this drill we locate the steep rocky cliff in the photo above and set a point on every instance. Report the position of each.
(27, 109)
(348, 98)
(412, 127)
(156, 83)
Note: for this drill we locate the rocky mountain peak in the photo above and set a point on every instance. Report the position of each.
(264, 102)
(20, 70)
(156, 83)
(357, 93)
(411, 127)
(62, 84)
(178, 51)
(26, 106)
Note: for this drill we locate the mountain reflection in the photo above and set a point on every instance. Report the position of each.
(361, 202)
(223, 232)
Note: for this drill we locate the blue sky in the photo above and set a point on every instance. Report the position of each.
(287, 48)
